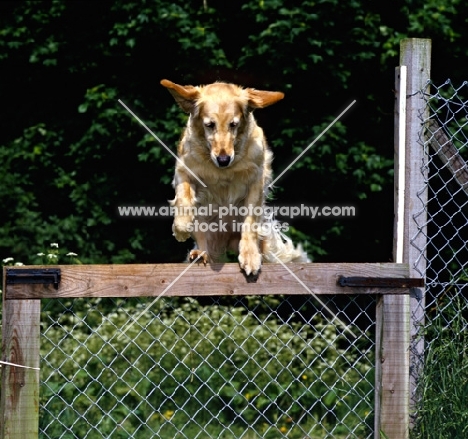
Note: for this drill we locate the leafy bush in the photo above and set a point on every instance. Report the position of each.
(187, 368)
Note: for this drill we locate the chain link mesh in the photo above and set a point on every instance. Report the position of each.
(444, 221)
(222, 367)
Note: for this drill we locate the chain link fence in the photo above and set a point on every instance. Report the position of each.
(220, 367)
(442, 387)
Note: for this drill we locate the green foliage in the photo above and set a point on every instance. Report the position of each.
(198, 368)
(443, 411)
(71, 154)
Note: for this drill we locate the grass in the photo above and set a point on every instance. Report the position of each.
(443, 410)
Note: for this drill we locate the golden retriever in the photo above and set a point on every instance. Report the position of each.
(224, 166)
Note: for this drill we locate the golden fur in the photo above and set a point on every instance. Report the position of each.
(226, 149)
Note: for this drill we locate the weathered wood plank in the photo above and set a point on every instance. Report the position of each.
(396, 335)
(212, 280)
(416, 55)
(19, 404)
(392, 317)
(392, 361)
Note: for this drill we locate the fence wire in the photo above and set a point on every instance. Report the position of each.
(246, 367)
(444, 221)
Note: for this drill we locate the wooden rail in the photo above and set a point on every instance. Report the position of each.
(212, 280)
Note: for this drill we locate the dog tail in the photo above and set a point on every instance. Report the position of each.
(276, 245)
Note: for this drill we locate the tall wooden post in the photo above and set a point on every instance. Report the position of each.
(416, 55)
(392, 314)
(399, 349)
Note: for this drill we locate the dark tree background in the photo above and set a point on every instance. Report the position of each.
(70, 154)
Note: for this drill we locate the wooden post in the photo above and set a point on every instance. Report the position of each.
(399, 348)
(416, 55)
(19, 405)
(392, 313)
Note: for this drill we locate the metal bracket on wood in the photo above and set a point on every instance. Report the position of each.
(380, 282)
(45, 276)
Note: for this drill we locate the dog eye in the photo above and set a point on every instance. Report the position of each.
(210, 124)
(234, 123)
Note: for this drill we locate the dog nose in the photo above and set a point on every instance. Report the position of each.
(223, 160)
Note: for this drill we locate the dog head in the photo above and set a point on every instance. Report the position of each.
(220, 113)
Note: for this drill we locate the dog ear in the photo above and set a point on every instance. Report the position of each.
(185, 95)
(261, 99)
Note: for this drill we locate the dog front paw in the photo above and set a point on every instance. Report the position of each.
(182, 227)
(196, 253)
(250, 259)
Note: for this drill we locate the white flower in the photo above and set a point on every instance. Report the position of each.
(52, 256)
(19, 264)
(41, 254)
(6, 260)
(54, 245)
(71, 254)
